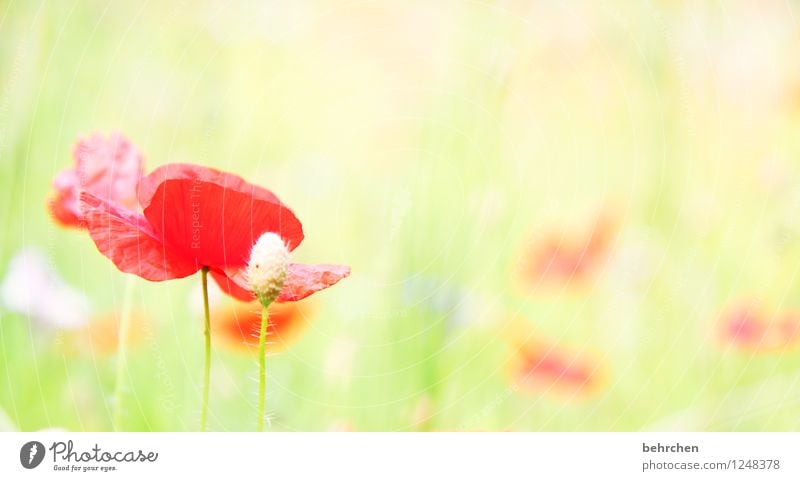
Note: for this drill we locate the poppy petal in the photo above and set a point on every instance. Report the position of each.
(544, 367)
(212, 217)
(108, 168)
(303, 280)
(749, 328)
(125, 237)
(233, 286)
(181, 171)
(65, 204)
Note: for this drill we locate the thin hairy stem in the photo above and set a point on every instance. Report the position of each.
(207, 334)
(262, 366)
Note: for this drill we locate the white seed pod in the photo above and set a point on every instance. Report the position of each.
(267, 267)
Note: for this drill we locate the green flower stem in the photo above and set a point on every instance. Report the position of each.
(262, 368)
(122, 344)
(207, 334)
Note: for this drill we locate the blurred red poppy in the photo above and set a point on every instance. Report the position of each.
(559, 258)
(107, 167)
(195, 217)
(237, 324)
(541, 367)
(100, 337)
(748, 328)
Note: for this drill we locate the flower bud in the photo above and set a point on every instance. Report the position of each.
(266, 270)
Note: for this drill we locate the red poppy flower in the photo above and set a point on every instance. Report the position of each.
(569, 258)
(108, 168)
(194, 217)
(542, 367)
(748, 328)
(237, 324)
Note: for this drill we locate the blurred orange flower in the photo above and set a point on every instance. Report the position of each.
(100, 337)
(341, 426)
(540, 366)
(748, 328)
(237, 324)
(560, 257)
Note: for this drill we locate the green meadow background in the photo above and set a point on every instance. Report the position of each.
(425, 144)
